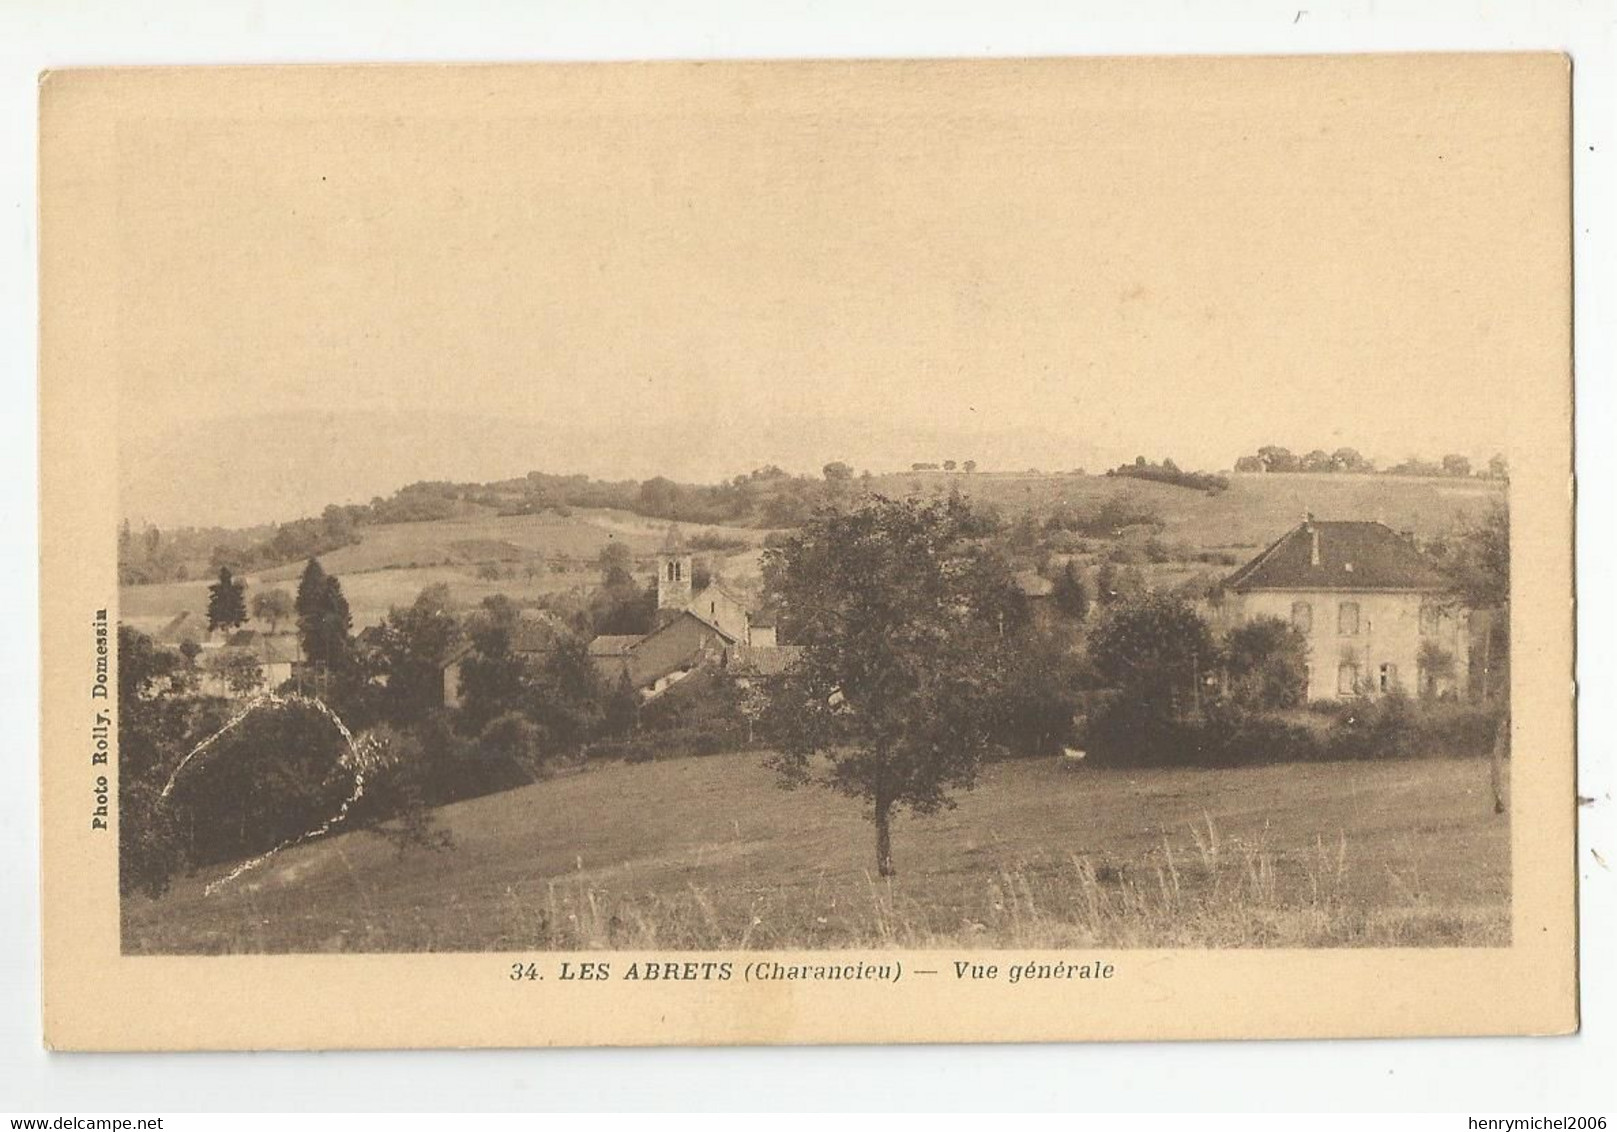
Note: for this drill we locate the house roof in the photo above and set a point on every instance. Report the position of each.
(760, 660)
(1351, 555)
(266, 648)
(613, 645)
(718, 587)
(729, 637)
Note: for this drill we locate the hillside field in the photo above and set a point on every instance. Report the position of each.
(1253, 512)
(393, 562)
(710, 853)
(541, 554)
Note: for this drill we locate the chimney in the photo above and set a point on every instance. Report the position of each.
(1313, 538)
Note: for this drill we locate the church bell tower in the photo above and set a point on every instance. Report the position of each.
(673, 572)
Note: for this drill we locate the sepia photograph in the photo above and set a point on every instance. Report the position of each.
(849, 541)
(634, 530)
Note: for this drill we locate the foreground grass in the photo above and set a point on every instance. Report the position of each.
(708, 853)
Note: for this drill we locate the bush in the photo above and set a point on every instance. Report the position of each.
(1124, 733)
(1266, 660)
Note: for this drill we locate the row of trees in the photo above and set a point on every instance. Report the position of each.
(1171, 473)
(1275, 458)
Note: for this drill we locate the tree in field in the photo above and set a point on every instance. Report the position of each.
(567, 695)
(1477, 563)
(837, 471)
(1349, 460)
(493, 679)
(1071, 593)
(227, 602)
(1276, 458)
(1266, 661)
(616, 562)
(894, 699)
(324, 620)
(621, 711)
(152, 726)
(970, 466)
(1455, 464)
(273, 606)
(311, 591)
(413, 643)
(1155, 651)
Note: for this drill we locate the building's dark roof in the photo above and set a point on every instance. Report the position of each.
(729, 637)
(266, 648)
(611, 645)
(761, 660)
(1352, 556)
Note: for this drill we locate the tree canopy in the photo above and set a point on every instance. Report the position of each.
(905, 623)
(227, 602)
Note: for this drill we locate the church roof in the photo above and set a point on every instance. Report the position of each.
(675, 542)
(1338, 555)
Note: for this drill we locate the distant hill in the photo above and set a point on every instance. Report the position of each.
(1253, 511)
(247, 470)
(525, 556)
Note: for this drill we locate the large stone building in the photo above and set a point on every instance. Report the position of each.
(1374, 610)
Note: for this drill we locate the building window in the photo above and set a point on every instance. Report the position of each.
(1302, 617)
(1431, 617)
(1389, 677)
(1347, 619)
(1347, 679)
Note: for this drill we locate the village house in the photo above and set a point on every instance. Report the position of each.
(1374, 610)
(714, 626)
(278, 656)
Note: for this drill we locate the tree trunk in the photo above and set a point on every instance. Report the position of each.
(884, 838)
(1496, 764)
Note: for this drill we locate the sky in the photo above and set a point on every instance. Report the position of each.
(330, 284)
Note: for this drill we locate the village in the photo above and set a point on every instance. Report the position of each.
(1103, 644)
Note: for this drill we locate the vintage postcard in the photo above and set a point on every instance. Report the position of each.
(793, 552)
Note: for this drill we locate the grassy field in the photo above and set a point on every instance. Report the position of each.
(393, 562)
(542, 554)
(1254, 512)
(709, 853)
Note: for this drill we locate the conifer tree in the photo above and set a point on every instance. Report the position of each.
(227, 602)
